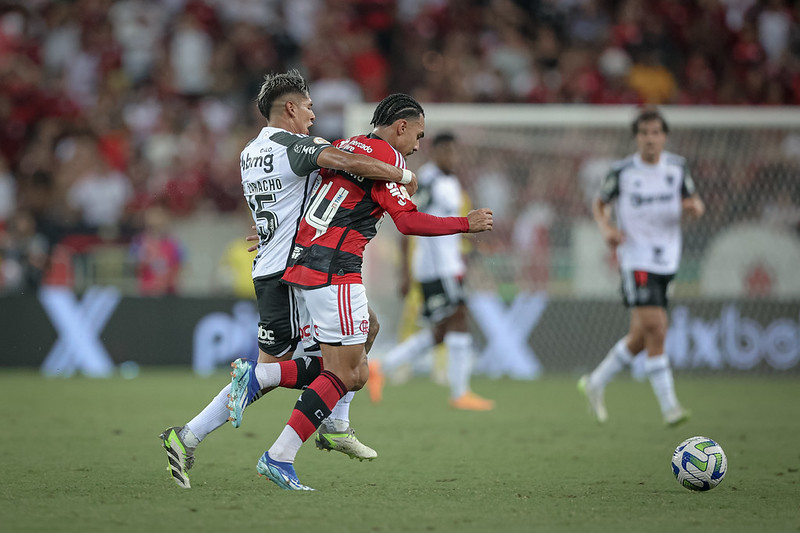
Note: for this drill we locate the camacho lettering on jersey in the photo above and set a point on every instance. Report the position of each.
(648, 207)
(345, 212)
(277, 177)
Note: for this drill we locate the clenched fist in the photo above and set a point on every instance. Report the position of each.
(480, 220)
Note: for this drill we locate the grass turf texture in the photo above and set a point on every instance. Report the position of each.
(83, 455)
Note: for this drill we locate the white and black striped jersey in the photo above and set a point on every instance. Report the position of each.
(278, 173)
(439, 194)
(648, 210)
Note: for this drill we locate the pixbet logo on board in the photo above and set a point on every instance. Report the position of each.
(732, 340)
(222, 337)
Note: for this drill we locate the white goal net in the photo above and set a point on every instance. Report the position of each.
(538, 168)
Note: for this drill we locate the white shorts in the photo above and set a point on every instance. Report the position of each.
(339, 314)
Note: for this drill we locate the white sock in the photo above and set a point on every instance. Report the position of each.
(660, 375)
(459, 361)
(213, 416)
(617, 358)
(405, 352)
(339, 419)
(188, 437)
(268, 375)
(286, 447)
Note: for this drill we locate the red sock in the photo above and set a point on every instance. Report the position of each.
(300, 373)
(315, 404)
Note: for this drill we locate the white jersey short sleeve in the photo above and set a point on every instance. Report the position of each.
(648, 209)
(278, 173)
(440, 195)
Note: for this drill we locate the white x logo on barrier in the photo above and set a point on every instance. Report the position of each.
(507, 330)
(79, 325)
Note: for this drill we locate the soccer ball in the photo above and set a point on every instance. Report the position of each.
(699, 463)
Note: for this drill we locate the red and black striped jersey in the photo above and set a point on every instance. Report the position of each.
(346, 211)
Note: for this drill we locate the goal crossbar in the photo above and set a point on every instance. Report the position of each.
(358, 116)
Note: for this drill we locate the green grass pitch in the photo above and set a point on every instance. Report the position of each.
(83, 455)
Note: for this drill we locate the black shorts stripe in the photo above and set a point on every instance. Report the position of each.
(441, 297)
(640, 288)
(278, 329)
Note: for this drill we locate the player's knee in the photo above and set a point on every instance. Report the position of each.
(635, 342)
(439, 331)
(655, 330)
(459, 321)
(359, 379)
(360, 376)
(353, 377)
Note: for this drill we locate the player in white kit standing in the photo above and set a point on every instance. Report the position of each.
(649, 192)
(278, 172)
(438, 266)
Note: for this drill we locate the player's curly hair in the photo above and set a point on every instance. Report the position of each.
(395, 107)
(646, 115)
(277, 85)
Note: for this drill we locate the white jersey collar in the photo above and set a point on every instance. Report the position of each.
(637, 160)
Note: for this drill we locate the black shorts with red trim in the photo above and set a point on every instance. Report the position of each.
(641, 288)
(441, 297)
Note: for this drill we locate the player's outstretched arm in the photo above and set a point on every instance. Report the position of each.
(425, 225)
(409, 221)
(366, 167)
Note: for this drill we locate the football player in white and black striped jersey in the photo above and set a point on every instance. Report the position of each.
(648, 192)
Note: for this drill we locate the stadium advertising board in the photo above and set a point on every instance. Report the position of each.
(93, 333)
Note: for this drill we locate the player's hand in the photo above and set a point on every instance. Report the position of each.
(480, 220)
(251, 238)
(412, 185)
(613, 236)
(693, 206)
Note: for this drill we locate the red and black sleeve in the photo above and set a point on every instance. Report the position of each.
(409, 220)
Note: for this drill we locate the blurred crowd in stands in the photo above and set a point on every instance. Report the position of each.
(110, 110)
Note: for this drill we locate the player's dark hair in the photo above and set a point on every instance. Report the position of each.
(443, 138)
(646, 115)
(278, 85)
(395, 107)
